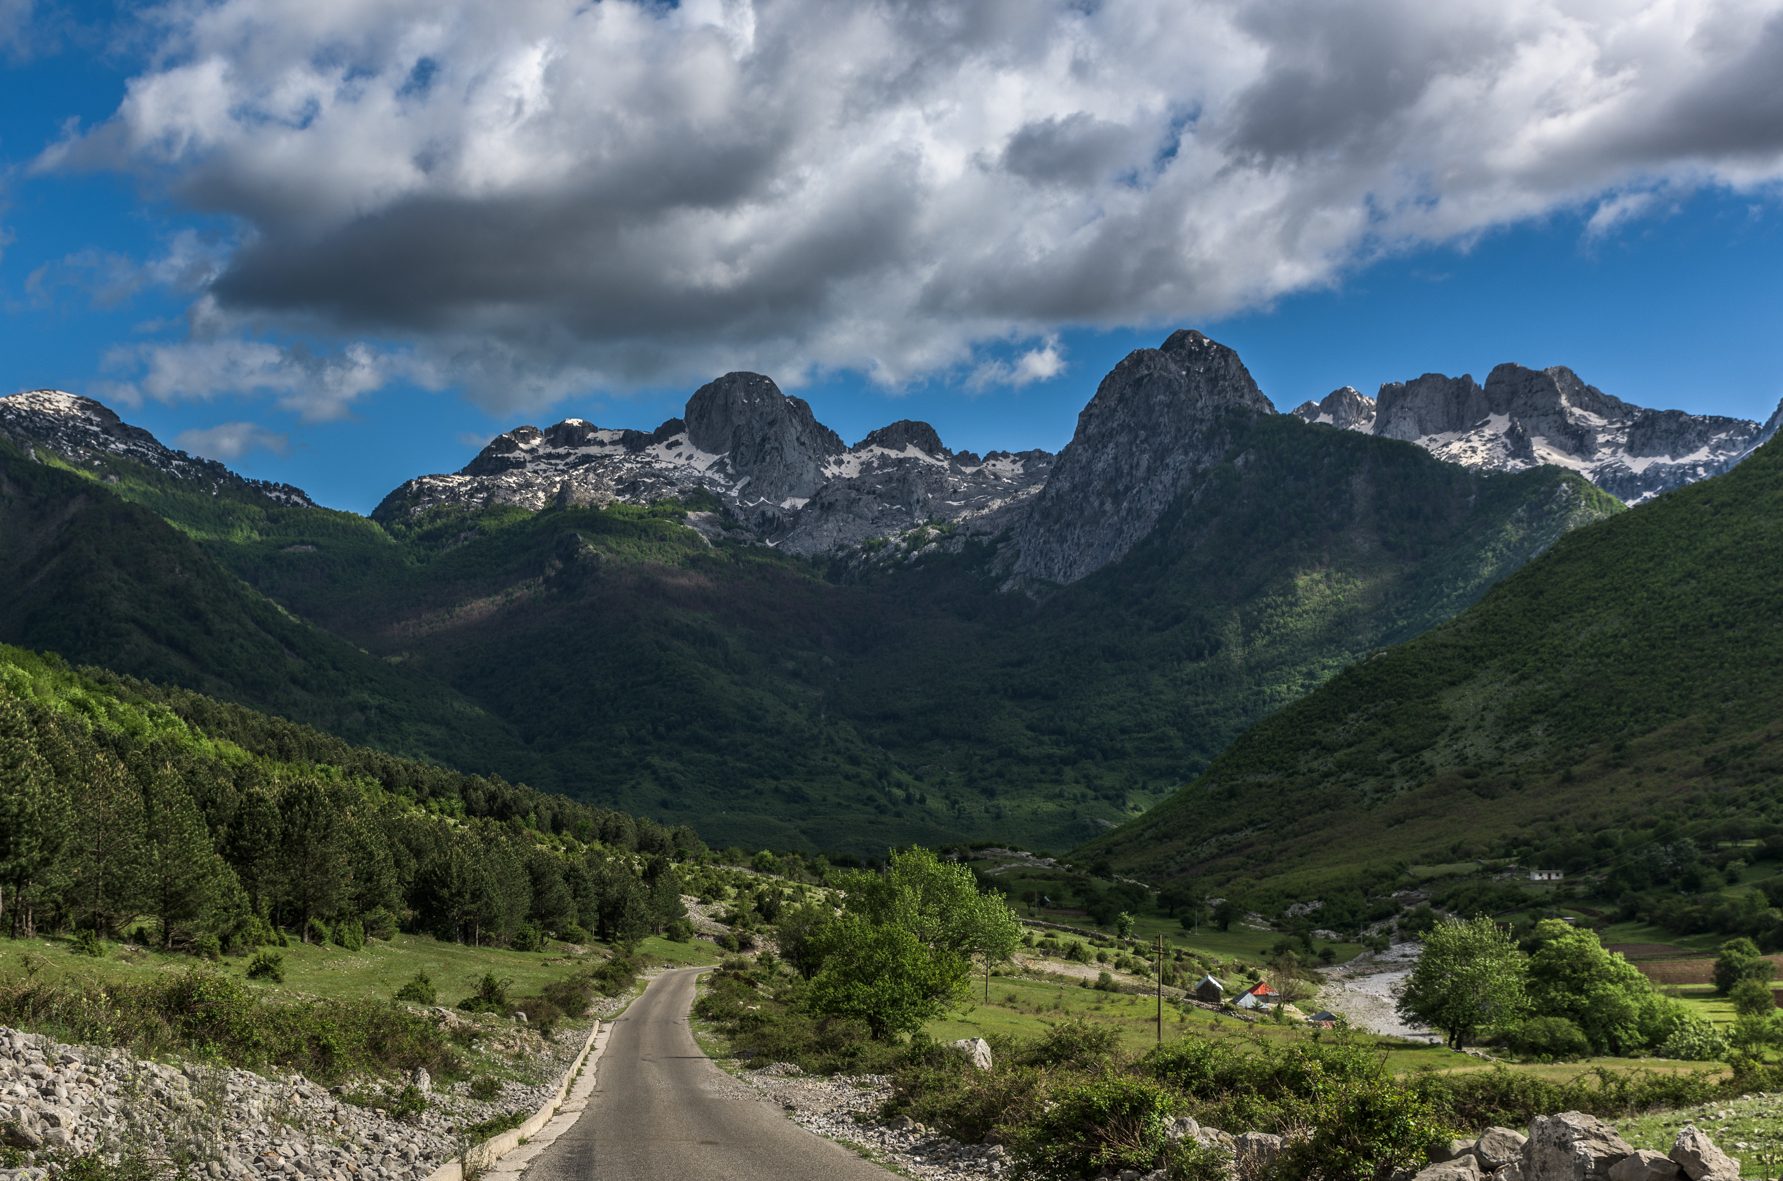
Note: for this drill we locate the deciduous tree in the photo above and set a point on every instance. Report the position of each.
(1468, 980)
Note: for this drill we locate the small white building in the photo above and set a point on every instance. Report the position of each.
(1547, 875)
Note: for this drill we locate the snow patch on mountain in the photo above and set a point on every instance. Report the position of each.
(782, 475)
(1525, 417)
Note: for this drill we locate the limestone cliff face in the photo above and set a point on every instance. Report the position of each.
(784, 477)
(1160, 418)
(1346, 408)
(1523, 417)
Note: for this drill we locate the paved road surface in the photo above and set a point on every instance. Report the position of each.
(661, 1111)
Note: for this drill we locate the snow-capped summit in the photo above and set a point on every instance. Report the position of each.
(89, 435)
(1523, 417)
(787, 478)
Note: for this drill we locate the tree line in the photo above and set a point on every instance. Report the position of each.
(119, 815)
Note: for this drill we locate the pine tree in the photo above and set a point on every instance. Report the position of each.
(33, 816)
(184, 881)
(253, 846)
(313, 870)
(106, 848)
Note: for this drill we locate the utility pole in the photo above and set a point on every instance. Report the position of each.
(1160, 990)
(987, 979)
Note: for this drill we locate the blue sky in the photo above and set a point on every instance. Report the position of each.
(1656, 280)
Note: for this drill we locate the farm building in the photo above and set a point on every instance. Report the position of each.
(1258, 996)
(1547, 875)
(1210, 991)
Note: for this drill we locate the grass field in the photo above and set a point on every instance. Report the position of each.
(1750, 1129)
(332, 973)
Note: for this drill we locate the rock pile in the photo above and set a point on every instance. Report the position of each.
(1573, 1146)
(61, 1102)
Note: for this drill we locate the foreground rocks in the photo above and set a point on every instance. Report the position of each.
(1573, 1146)
(61, 1102)
(1570, 1146)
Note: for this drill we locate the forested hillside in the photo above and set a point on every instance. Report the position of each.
(1611, 707)
(899, 693)
(104, 581)
(212, 827)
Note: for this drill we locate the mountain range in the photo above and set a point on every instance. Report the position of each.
(1618, 692)
(738, 621)
(1523, 417)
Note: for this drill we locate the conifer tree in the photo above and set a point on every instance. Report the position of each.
(33, 817)
(184, 881)
(106, 848)
(313, 870)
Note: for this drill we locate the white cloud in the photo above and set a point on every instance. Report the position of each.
(231, 440)
(318, 387)
(540, 197)
(1042, 363)
(1617, 210)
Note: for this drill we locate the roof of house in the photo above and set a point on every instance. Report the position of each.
(1208, 979)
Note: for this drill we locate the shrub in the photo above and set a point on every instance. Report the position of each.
(350, 934)
(206, 1015)
(1077, 1044)
(1104, 981)
(485, 1087)
(418, 990)
(409, 1103)
(947, 1092)
(1694, 1039)
(87, 942)
(491, 996)
(528, 937)
(316, 931)
(573, 933)
(380, 923)
(267, 965)
(1550, 1039)
(1752, 997)
(207, 946)
(1104, 1125)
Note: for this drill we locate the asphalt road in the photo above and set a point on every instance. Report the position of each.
(661, 1111)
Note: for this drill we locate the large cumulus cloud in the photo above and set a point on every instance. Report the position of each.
(541, 196)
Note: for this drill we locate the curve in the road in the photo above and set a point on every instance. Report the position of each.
(661, 1111)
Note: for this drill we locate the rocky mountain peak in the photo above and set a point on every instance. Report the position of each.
(1522, 417)
(1157, 420)
(89, 434)
(1346, 408)
(769, 439)
(902, 434)
(1433, 404)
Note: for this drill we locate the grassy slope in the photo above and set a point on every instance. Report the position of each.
(105, 582)
(1630, 672)
(624, 660)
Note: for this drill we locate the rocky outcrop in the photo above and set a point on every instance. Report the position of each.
(88, 435)
(1162, 417)
(1646, 1165)
(61, 1102)
(772, 445)
(1523, 417)
(975, 1050)
(1498, 1147)
(1697, 1156)
(1346, 408)
(1573, 1146)
(781, 475)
